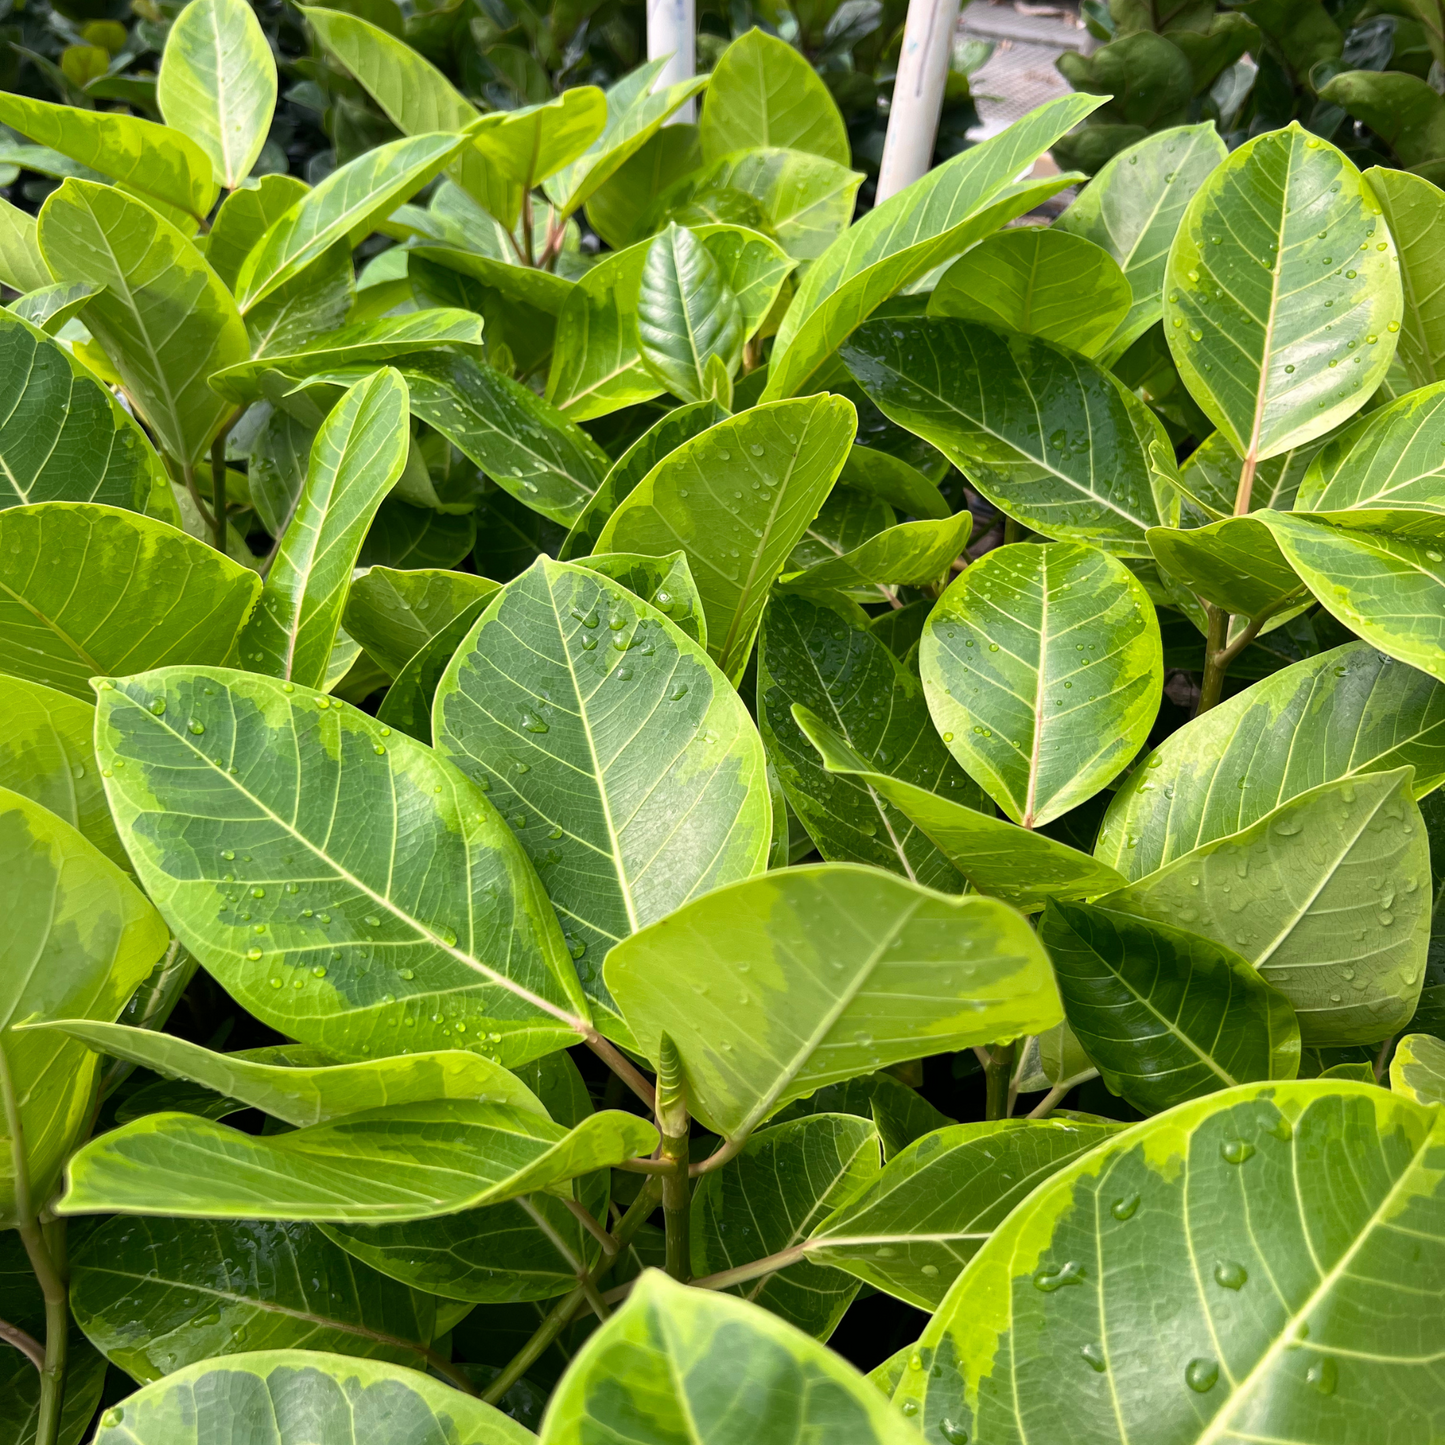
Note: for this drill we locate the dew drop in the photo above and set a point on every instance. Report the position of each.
(196, 726)
(1324, 1375)
(1236, 1151)
(1094, 1354)
(1230, 1275)
(1124, 1208)
(1201, 1375)
(1048, 1279)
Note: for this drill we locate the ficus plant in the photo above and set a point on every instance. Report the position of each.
(546, 873)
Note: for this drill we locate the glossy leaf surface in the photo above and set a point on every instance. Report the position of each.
(1042, 667)
(1241, 1208)
(1044, 434)
(217, 84)
(356, 459)
(153, 595)
(1413, 208)
(289, 1397)
(1417, 1070)
(1303, 271)
(749, 485)
(394, 614)
(1329, 905)
(774, 1016)
(679, 1364)
(1347, 712)
(460, 910)
(627, 766)
(405, 1162)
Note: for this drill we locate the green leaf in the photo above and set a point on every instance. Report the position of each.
(393, 615)
(1046, 435)
(817, 657)
(358, 455)
(165, 320)
(151, 159)
(458, 907)
(1259, 1213)
(526, 1249)
(404, 1162)
(1235, 564)
(1280, 232)
(1385, 585)
(1132, 209)
(296, 1396)
(47, 754)
(1348, 712)
(1324, 897)
(1015, 634)
(783, 458)
(877, 474)
(21, 265)
(686, 314)
(416, 97)
(618, 209)
(653, 1374)
(1164, 1014)
(417, 537)
(50, 307)
(806, 976)
(301, 1094)
(764, 93)
(1413, 209)
(806, 200)
(771, 1198)
(521, 442)
(1031, 280)
(665, 582)
(217, 84)
(635, 113)
(347, 203)
(63, 437)
(628, 768)
(541, 290)
(914, 554)
(1209, 477)
(662, 438)
(244, 217)
(912, 1230)
(537, 141)
(900, 241)
(153, 596)
(998, 858)
(1417, 1070)
(385, 339)
(156, 1295)
(1390, 457)
(408, 701)
(1403, 110)
(79, 937)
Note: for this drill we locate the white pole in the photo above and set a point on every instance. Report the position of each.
(917, 94)
(672, 31)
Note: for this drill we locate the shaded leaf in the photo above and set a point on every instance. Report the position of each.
(1413, 208)
(394, 614)
(912, 1230)
(771, 1198)
(1165, 1015)
(1030, 280)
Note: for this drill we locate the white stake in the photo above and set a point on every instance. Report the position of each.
(671, 31)
(917, 93)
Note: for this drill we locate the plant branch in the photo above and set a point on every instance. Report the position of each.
(560, 1315)
(770, 1264)
(997, 1075)
(1382, 1058)
(1211, 686)
(188, 474)
(1048, 1103)
(622, 1066)
(609, 1245)
(218, 482)
(646, 1166)
(1244, 494)
(675, 1125)
(724, 1154)
(28, 1345)
(47, 1260)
